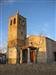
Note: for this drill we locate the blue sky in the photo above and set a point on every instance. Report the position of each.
(40, 16)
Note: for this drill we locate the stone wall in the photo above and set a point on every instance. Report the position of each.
(50, 50)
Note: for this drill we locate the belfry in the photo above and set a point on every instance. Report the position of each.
(16, 37)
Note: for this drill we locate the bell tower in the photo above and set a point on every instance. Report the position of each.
(16, 34)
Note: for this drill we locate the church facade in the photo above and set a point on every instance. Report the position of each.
(46, 48)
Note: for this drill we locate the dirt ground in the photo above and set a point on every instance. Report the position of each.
(28, 69)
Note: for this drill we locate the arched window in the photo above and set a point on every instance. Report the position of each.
(10, 22)
(14, 20)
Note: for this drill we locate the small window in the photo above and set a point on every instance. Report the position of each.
(11, 22)
(14, 20)
(55, 56)
(21, 33)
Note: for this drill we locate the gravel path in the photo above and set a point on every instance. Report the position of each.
(28, 69)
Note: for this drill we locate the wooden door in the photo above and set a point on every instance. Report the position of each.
(32, 55)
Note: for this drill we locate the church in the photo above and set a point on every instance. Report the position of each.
(32, 49)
